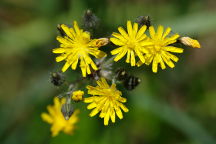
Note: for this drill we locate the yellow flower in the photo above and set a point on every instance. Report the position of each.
(107, 100)
(190, 42)
(77, 95)
(57, 120)
(132, 43)
(159, 52)
(77, 46)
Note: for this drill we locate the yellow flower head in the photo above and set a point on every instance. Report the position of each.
(77, 95)
(159, 52)
(190, 42)
(77, 46)
(107, 100)
(132, 43)
(57, 120)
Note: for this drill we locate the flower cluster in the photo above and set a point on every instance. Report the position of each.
(155, 49)
(140, 43)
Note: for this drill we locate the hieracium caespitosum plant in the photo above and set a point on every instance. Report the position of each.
(96, 83)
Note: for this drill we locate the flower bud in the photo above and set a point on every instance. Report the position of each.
(187, 41)
(77, 96)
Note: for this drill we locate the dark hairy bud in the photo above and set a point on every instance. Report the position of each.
(121, 74)
(90, 20)
(131, 82)
(144, 20)
(57, 78)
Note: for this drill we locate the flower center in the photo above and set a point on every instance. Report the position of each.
(111, 94)
(131, 44)
(157, 47)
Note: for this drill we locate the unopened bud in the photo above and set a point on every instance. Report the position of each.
(101, 42)
(77, 96)
(187, 41)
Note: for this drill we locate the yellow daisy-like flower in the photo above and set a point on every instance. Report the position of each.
(159, 52)
(78, 46)
(107, 100)
(57, 120)
(77, 95)
(132, 43)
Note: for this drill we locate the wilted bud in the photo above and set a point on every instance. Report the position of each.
(77, 96)
(187, 41)
(143, 20)
(67, 110)
(101, 42)
(90, 20)
(57, 78)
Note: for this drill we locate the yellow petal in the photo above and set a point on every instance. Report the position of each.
(123, 107)
(116, 51)
(123, 32)
(61, 57)
(139, 63)
(140, 55)
(129, 28)
(74, 64)
(163, 66)
(171, 39)
(133, 61)
(92, 105)
(67, 31)
(172, 57)
(112, 115)
(89, 99)
(120, 55)
(141, 31)
(76, 27)
(117, 41)
(155, 64)
(47, 118)
(166, 33)
(160, 31)
(101, 54)
(168, 61)
(93, 112)
(128, 57)
(152, 31)
(106, 118)
(66, 66)
(58, 50)
(174, 49)
(120, 37)
(135, 29)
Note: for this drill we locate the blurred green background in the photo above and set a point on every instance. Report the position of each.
(174, 106)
